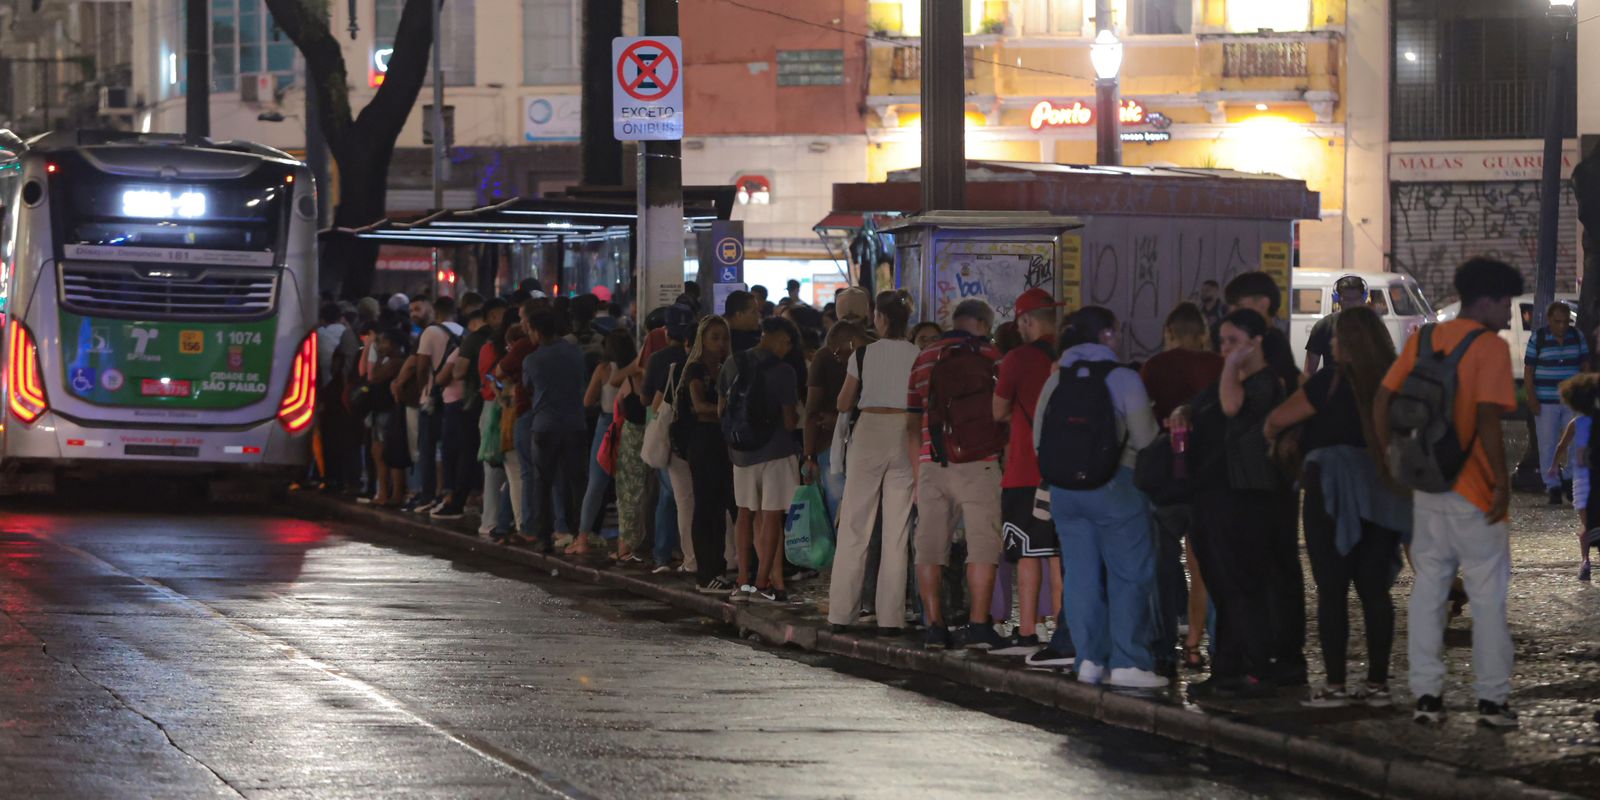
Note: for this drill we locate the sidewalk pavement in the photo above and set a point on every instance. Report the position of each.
(1379, 752)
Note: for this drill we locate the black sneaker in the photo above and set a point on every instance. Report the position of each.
(1555, 497)
(779, 596)
(981, 636)
(714, 586)
(891, 633)
(1048, 659)
(938, 638)
(447, 513)
(1497, 715)
(1430, 710)
(1018, 645)
(1229, 688)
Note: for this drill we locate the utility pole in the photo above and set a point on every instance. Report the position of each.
(602, 152)
(944, 98)
(440, 156)
(659, 256)
(1563, 22)
(197, 49)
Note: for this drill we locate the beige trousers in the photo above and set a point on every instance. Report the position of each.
(683, 495)
(877, 474)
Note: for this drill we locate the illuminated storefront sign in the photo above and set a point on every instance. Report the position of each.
(1049, 115)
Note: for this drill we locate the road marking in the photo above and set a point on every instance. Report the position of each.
(496, 757)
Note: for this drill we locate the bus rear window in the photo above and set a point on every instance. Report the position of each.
(93, 208)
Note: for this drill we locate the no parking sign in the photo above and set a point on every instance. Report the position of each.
(647, 88)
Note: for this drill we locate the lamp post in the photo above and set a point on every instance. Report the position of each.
(1563, 16)
(1106, 55)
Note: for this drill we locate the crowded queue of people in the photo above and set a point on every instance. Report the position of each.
(1129, 510)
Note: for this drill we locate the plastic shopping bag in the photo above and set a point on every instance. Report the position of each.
(807, 532)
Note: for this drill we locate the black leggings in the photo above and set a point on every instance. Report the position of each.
(712, 474)
(1371, 565)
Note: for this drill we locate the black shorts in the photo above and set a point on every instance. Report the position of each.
(1024, 533)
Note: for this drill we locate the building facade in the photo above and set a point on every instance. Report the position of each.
(65, 65)
(1249, 85)
(1468, 116)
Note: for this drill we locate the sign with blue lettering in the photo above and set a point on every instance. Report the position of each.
(647, 88)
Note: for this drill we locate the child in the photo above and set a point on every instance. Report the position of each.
(1582, 395)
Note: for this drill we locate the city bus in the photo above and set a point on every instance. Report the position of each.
(159, 300)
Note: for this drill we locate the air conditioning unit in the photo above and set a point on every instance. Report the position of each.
(259, 89)
(116, 100)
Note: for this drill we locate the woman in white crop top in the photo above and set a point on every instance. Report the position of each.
(877, 470)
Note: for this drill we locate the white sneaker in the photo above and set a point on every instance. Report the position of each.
(1131, 678)
(1090, 672)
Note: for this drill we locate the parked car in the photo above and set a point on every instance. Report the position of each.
(1396, 297)
(1524, 321)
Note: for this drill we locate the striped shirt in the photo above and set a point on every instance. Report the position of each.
(1555, 361)
(922, 371)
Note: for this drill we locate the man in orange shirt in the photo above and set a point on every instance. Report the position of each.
(1466, 528)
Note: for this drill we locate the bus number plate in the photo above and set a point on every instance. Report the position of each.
(170, 388)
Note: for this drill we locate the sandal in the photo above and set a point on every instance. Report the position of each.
(1194, 658)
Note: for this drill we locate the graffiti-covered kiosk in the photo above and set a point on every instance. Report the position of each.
(1137, 240)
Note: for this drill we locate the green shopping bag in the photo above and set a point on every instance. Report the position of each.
(489, 436)
(807, 532)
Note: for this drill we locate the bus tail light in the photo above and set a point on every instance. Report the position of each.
(300, 396)
(25, 395)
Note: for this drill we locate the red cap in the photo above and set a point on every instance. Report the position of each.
(1033, 300)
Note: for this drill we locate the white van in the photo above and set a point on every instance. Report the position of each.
(1524, 321)
(1396, 297)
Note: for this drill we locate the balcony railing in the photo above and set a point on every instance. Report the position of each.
(907, 63)
(1264, 60)
(1480, 110)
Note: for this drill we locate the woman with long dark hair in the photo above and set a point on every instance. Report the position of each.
(698, 438)
(1239, 490)
(1354, 517)
(1107, 543)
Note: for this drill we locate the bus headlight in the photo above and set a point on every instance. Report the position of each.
(300, 396)
(25, 384)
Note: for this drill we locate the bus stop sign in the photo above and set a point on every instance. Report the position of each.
(647, 88)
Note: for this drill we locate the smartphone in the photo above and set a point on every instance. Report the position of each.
(496, 382)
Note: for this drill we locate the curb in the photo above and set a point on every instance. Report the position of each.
(1311, 758)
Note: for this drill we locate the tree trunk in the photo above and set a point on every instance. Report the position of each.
(363, 187)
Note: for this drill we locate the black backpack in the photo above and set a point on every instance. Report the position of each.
(750, 418)
(1425, 451)
(1079, 448)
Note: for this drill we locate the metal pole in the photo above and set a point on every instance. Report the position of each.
(602, 153)
(197, 49)
(1550, 183)
(660, 195)
(439, 152)
(1107, 101)
(944, 91)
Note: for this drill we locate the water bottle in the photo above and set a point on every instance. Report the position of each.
(1180, 445)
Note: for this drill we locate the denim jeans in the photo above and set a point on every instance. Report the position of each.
(1551, 422)
(1108, 548)
(1453, 534)
(831, 484)
(452, 438)
(533, 501)
(557, 461)
(594, 497)
(430, 429)
(666, 520)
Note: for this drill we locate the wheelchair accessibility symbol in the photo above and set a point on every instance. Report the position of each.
(82, 379)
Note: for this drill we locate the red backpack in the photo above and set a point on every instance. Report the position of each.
(961, 426)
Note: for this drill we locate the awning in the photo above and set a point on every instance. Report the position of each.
(583, 215)
(840, 221)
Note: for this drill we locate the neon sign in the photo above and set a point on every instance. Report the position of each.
(1048, 115)
(380, 65)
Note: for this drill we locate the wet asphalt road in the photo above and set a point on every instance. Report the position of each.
(150, 654)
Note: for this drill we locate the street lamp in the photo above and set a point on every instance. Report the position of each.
(1563, 16)
(1106, 56)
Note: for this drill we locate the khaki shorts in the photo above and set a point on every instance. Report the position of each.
(768, 486)
(971, 491)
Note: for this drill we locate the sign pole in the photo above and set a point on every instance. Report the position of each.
(660, 165)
